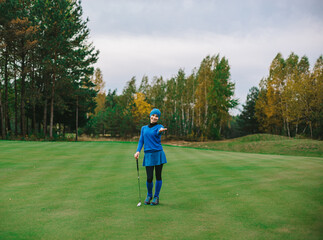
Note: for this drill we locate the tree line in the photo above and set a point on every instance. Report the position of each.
(46, 61)
(48, 87)
(289, 101)
(194, 107)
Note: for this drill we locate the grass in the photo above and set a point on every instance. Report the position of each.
(88, 190)
(263, 143)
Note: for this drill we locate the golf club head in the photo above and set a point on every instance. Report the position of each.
(139, 204)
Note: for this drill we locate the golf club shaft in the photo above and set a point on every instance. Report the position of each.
(138, 180)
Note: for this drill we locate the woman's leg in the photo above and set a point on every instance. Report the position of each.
(149, 183)
(159, 182)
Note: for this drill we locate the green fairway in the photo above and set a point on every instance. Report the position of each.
(89, 190)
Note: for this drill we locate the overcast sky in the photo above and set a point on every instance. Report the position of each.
(158, 37)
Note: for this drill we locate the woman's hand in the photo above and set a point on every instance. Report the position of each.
(162, 130)
(136, 155)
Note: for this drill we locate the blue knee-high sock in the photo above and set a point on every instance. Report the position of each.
(158, 187)
(150, 189)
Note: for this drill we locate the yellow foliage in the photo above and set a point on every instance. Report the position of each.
(291, 95)
(97, 79)
(141, 108)
(100, 100)
(204, 82)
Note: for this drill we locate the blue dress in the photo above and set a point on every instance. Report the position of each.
(150, 138)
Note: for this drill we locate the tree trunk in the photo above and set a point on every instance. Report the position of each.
(27, 126)
(16, 96)
(52, 109)
(288, 130)
(188, 119)
(206, 104)
(5, 107)
(193, 103)
(183, 119)
(77, 118)
(199, 109)
(34, 125)
(45, 117)
(22, 105)
(52, 99)
(304, 129)
(2, 117)
(8, 120)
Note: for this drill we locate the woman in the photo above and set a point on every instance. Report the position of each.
(154, 157)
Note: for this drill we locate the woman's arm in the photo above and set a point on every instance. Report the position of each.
(140, 144)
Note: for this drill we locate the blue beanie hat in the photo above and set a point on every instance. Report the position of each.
(155, 111)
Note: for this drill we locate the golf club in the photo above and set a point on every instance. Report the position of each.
(139, 204)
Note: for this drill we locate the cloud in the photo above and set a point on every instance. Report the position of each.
(125, 56)
(176, 17)
(157, 38)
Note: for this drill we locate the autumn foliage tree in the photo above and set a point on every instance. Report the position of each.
(290, 98)
(140, 110)
(99, 84)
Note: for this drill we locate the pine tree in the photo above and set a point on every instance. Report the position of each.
(248, 123)
(67, 54)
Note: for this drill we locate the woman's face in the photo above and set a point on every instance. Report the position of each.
(153, 118)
